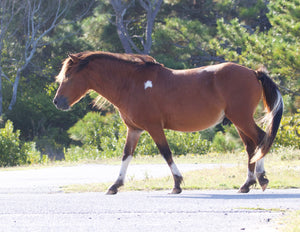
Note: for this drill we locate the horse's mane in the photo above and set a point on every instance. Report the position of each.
(138, 59)
(85, 57)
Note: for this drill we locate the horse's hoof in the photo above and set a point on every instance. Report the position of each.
(244, 189)
(264, 187)
(263, 181)
(112, 191)
(176, 191)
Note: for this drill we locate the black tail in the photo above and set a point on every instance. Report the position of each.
(274, 104)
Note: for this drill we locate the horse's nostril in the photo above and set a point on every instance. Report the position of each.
(61, 103)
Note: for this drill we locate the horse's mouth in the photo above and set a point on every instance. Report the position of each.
(61, 103)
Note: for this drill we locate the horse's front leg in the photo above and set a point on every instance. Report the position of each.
(130, 145)
(162, 144)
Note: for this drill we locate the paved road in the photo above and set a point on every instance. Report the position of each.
(47, 180)
(25, 208)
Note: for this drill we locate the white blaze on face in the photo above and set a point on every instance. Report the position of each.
(148, 84)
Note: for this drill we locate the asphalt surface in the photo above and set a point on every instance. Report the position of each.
(35, 203)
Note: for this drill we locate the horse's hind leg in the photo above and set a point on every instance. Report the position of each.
(162, 144)
(130, 145)
(250, 148)
(257, 139)
(251, 144)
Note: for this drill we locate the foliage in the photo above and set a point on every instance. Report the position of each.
(95, 130)
(277, 48)
(187, 143)
(289, 132)
(12, 151)
(227, 141)
(180, 43)
(38, 120)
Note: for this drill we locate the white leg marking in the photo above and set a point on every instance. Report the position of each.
(250, 176)
(175, 170)
(260, 166)
(124, 167)
(148, 84)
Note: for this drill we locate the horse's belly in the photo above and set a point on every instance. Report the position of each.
(194, 122)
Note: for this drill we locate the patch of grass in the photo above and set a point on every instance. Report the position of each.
(264, 209)
(281, 173)
(290, 222)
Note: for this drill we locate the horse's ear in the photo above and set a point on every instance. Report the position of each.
(74, 58)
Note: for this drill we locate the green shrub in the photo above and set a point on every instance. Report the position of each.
(146, 145)
(13, 151)
(288, 134)
(227, 141)
(92, 129)
(183, 143)
(222, 144)
(100, 136)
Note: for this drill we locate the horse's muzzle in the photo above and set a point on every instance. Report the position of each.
(61, 103)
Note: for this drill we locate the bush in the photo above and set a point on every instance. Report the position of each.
(12, 151)
(183, 143)
(100, 136)
(227, 141)
(289, 132)
(93, 128)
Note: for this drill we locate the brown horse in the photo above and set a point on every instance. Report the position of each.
(151, 97)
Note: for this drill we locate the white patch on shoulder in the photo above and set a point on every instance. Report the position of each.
(148, 84)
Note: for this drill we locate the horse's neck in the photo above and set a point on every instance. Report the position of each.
(110, 82)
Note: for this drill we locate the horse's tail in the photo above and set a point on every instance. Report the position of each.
(274, 105)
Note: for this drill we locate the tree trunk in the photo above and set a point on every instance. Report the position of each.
(15, 90)
(122, 34)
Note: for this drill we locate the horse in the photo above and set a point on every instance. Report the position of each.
(151, 97)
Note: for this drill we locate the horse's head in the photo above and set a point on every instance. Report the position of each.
(73, 83)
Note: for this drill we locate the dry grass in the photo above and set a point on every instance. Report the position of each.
(291, 222)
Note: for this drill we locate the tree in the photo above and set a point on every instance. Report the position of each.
(277, 48)
(180, 43)
(122, 23)
(34, 20)
(8, 10)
